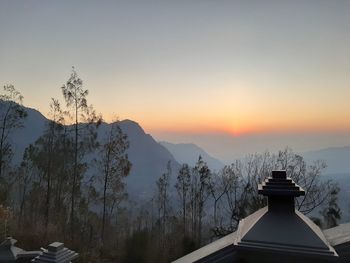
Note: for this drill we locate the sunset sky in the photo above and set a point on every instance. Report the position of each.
(207, 72)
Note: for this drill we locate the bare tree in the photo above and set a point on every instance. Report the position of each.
(24, 178)
(84, 119)
(46, 157)
(309, 177)
(12, 115)
(52, 138)
(114, 165)
(235, 199)
(220, 184)
(331, 213)
(243, 176)
(163, 184)
(199, 192)
(182, 186)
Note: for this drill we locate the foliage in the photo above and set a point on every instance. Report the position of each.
(12, 115)
(114, 166)
(331, 212)
(162, 198)
(84, 134)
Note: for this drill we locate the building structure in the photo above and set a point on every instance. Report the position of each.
(10, 253)
(277, 233)
(56, 253)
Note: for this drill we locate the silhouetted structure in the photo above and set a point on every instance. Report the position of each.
(56, 253)
(277, 233)
(10, 253)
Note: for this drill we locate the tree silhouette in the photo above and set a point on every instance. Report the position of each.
(84, 121)
(12, 115)
(114, 165)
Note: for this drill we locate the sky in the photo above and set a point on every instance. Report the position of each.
(231, 76)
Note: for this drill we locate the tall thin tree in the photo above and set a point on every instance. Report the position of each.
(182, 186)
(83, 117)
(12, 115)
(115, 165)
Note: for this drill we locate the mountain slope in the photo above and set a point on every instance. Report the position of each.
(189, 153)
(34, 126)
(148, 158)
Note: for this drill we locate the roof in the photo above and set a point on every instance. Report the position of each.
(277, 233)
(221, 250)
(279, 228)
(282, 233)
(338, 235)
(10, 253)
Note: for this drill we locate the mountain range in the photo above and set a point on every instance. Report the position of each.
(337, 159)
(189, 153)
(149, 157)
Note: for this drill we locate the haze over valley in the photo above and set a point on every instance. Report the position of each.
(140, 131)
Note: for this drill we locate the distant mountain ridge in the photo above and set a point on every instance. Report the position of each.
(336, 158)
(148, 157)
(189, 153)
(34, 126)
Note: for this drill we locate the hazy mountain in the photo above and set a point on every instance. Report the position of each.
(34, 126)
(148, 158)
(336, 158)
(338, 169)
(189, 153)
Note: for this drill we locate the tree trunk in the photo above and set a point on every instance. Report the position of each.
(75, 171)
(3, 140)
(104, 206)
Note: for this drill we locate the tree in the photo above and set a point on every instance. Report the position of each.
(47, 158)
(309, 177)
(52, 141)
(182, 186)
(255, 168)
(331, 213)
(163, 202)
(232, 192)
(24, 179)
(12, 115)
(114, 165)
(5, 215)
(84, 121)
(219, 186)
(243, 177)
(199, 194)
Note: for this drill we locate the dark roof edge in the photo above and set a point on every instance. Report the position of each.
(210, 251)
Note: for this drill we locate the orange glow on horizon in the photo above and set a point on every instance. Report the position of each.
(234, 128)
(247, 129)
